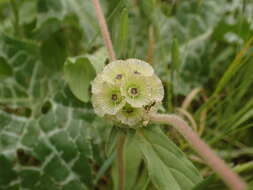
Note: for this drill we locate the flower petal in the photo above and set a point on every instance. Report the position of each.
(136, 90)
(157, 91)
(115, 71)
(97, 84)
(140, 67)
(108, 100)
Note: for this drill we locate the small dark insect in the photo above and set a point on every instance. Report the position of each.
(136, 72)
(114, 97)
(26, 159)
(129, 110)
(148, 107)
(107, 61)
(134, 91)
(118, 76)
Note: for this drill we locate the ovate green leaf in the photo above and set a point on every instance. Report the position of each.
(53, 52)
(47, 29)
(168, 167)
(79, 72)
(30, 81)
(47, 5)
(98, 59)
(48, 152)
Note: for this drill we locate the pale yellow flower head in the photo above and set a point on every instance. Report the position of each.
(126, 90)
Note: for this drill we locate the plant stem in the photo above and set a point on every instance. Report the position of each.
(244, 167)
(14, 7)
(216, 163)
(104, 30)
(151, 44)
(120, 162)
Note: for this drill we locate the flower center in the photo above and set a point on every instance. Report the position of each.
(129, 110)
(133, 91)
(136, 72)
(114, 97)
(118, 76)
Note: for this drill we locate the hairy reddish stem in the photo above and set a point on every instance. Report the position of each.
(216, 163)
(104, 30)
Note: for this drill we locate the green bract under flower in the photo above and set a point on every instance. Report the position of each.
(126, 90)
(129, 115)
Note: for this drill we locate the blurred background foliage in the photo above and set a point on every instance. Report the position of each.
(201, 49)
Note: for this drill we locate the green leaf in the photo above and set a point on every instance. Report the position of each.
(111, 140)
(175, 52)
(79, 72)
(47, 28)
(106, 165)
(168, 167)
(167, 8)
(98, 59)
(210, 183)
(147, 8)
(131, 152)
(215, 182)
(47, 5)
(53, 52)
(123, 33)
(46, 153)
(143, 181)
(30, 81)
(234, 67)
(240, 27)
(5, 69)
